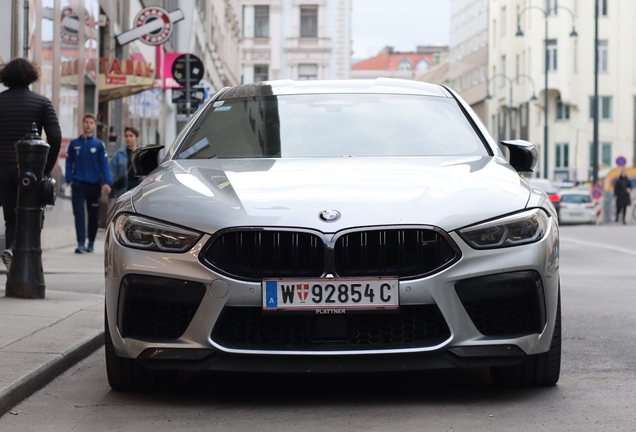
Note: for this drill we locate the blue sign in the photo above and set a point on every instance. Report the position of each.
(597, 191)
(271, 294)
(621, 161)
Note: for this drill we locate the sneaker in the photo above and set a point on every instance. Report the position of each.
(79, 250)
(7, 256)
(90, 248)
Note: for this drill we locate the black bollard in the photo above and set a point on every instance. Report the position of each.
(26, 276)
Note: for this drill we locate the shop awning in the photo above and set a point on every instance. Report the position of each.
(119, 86)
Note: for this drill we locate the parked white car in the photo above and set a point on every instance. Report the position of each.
(577, 206)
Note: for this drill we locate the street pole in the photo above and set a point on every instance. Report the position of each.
(546, 13)
(595, 102)
(545, 102)
(510, 111)
(188, 101)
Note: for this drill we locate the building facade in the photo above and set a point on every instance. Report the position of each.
(468, 58)
(295, 39)
(570, 61)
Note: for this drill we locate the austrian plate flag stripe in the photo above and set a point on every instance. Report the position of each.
(271, 294)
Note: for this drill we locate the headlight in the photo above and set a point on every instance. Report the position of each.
(141, 233)
(518, 229)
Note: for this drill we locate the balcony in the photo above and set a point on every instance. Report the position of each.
(304, 44)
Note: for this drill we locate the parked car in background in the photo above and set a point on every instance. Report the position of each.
(577, 206)
(551, 189)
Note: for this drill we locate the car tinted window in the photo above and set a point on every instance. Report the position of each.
(576, 198)
(339, 125)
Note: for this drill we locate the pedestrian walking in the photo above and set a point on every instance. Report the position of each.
(622, 190)
(121, 171)
(19, 109)
(88, 174)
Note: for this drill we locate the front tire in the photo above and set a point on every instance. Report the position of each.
(126, 374)
(537, 370)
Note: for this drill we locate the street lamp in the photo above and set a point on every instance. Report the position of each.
(519, 33)
(510, 81)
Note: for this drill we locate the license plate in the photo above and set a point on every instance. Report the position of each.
(330, 295)
(576, 213)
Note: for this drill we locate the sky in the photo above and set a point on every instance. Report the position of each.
(402, 24)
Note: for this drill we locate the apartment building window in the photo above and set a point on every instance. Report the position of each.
(524, 120)
(551, 6)
(562, 159)
(201, 6)
(261, 73)
(422, 65)
(602, 56)
(309, 21)
(261, 21)
(503, 22)
(604, 153)
(604, 107)
(405, 64)
(551, 54)
(602, 7)
(307, 72)
(502, 80)
(562, 110)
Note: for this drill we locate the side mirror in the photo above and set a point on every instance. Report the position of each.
(144, 160)
(523, 155)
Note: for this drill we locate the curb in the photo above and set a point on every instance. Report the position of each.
(37, 379)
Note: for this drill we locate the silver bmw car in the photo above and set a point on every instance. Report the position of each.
(333, 226)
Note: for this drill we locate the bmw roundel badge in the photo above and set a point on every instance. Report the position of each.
(329, 215)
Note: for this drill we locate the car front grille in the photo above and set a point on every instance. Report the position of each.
(157, 308)
(391, 252)
(257, 254)
(412, 327)
(504, 305)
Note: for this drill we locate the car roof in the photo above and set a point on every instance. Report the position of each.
(376, 86)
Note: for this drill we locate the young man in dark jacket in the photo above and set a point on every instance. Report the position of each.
(19, 109)
(86, 172)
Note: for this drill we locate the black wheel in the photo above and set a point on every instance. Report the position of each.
(537, 370)
(126, 374)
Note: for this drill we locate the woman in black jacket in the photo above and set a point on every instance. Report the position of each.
(622, 190)
(19, 109)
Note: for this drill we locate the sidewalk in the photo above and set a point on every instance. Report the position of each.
(40, 339)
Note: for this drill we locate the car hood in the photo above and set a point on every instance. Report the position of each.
(447, 192)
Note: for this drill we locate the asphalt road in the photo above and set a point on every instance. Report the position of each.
(597, 390)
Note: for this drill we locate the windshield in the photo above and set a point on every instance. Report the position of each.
(576, 198)
(332, 125)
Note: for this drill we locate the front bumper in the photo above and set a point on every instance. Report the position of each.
(467, 342)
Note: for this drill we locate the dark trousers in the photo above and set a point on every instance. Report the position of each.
(9, 199)
(85, 196)
(619, 211)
